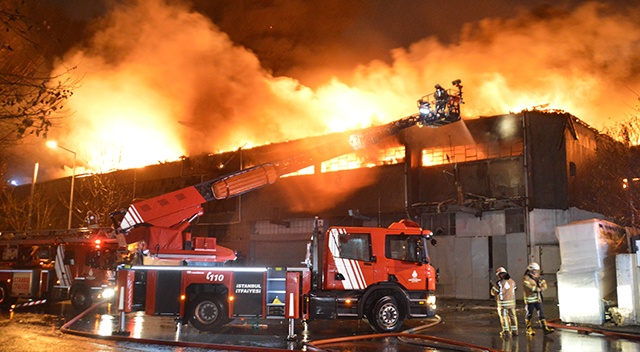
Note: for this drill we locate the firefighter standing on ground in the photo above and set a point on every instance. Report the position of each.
(533, 287)
(504, 290)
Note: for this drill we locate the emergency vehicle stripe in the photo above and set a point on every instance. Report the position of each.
(131, 218)
(356, 274)
(359, 276)
(29, 304)
(62, 271)
(349, 273)
(335, 252)
(354, 279)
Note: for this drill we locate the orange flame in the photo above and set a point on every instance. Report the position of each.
(151, 94)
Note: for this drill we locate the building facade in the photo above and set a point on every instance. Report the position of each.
(493, 190)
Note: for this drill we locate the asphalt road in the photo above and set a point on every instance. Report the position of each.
(471, 322)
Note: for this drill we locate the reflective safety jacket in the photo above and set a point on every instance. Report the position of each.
(533, 288)
(505, 293)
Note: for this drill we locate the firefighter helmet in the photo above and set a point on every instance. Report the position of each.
(533, 266)
(500, 270)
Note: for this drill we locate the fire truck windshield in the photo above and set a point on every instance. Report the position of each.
(106, 259)
(407, 248)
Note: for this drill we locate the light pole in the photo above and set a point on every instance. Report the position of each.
(53, 144)
(627, 184)
(33, 190)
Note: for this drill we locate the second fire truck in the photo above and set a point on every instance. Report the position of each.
(49, 266)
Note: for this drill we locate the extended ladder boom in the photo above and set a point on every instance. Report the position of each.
(178, 208)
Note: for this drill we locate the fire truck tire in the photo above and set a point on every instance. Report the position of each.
(385, 315)
(207, 313)
(5, 300)
(81, 299)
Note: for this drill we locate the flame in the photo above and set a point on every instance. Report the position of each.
(151, 94)
(349, 108)
(127, 123)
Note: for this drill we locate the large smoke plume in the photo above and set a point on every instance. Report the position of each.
(161, 80)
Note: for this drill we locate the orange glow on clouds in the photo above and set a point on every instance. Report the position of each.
(125, 125)
(150, 93)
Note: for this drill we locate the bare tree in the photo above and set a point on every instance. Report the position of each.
(15, 214)
(620, 162)
(101, 194)
(611, 184)
(30, 99)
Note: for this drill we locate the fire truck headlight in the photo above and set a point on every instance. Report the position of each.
(431, 300)
(108, 293)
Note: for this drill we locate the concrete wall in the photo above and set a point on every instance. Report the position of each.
(278, 245)
(467, 261)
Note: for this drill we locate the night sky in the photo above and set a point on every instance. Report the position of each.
(292, 37)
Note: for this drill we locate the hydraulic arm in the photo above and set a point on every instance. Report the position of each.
(176, 209)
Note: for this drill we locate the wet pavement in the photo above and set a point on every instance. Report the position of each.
(462, 325)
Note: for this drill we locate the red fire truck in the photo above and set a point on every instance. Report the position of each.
(47, 266)
(381, 274)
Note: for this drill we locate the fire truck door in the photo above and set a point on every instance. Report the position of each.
(351, 264)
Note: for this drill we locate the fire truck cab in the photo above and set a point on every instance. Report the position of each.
(381, 274)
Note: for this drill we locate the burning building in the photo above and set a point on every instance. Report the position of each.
(492, 189)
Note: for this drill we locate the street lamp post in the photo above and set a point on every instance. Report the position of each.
(628, 185)
(33, 190)
(53, 144)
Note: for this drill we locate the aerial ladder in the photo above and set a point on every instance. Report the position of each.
(161, 221)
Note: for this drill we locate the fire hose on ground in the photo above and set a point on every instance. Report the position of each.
(558, 324)
(408, 336)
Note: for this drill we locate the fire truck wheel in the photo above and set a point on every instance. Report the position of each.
(5, 300)
(207, 312)
(81, 299)
(385, 316)
(3, 295)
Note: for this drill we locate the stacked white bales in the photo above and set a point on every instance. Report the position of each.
(587, 276)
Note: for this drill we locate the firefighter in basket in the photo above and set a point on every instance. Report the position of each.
(533, 287)
(504, 290)
(442, 98)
